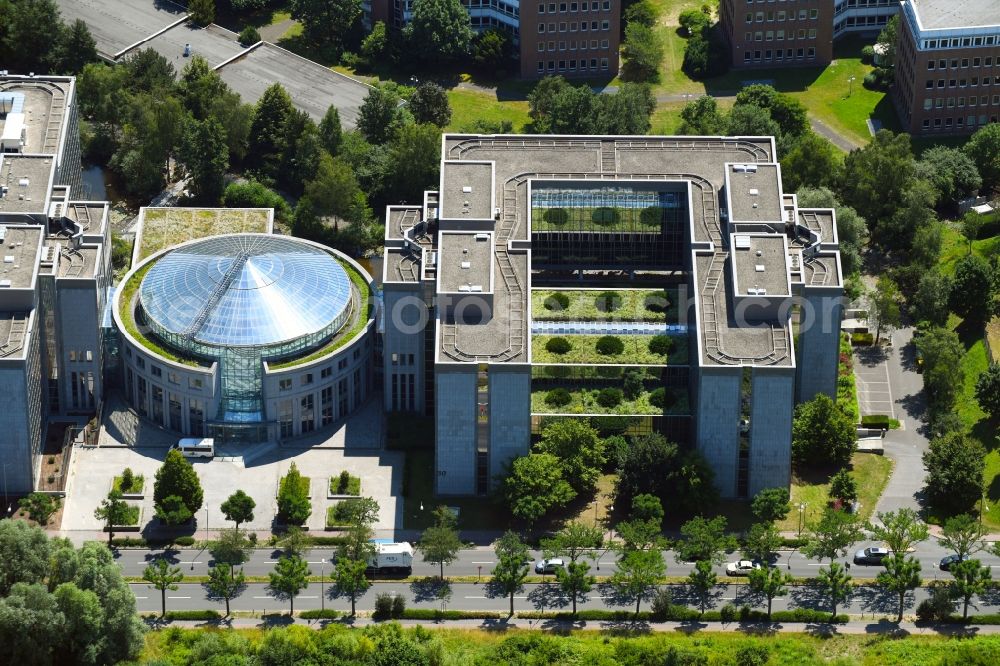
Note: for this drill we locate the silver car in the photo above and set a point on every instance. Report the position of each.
(549, 566)
(741, 568)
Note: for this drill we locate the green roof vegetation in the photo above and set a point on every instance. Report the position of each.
(166, 227)
(583, 349)
(591, 401)
(655, 305)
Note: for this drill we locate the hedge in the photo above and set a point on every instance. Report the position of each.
(180, 615)
(862, 339)
(184, 541)
(325, 614)
(588, 615)
(326, 540)
(875, 421)
(438, 614)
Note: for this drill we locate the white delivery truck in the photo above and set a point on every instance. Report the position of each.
(194, 447)
(392, 558)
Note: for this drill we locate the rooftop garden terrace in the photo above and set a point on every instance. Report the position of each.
(652, 305)
(610, 349)
(165, 227)
(598, 218)
(608, 400)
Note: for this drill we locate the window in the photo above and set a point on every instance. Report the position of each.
(307, 416)
(770, 17)
(961, 102)
(780, 36)
(930, 65)
(770, 36)
(965, 62)
(605, 25)
(541, 8)
(173, 378)
(746, 56)
(802, 34)
(812, 52)
(928, 104)
(562, 46)
(781, 16)
(813, 13)
(812, 33)
(196, 417)
(954, 63)
(157, 411)
(802, 15)
(927, 123)
(174, 411)
(541, 28)
(541, 67)
(940, 83)
(155, 370)
(284, 384)
(562, 6)
(760, 17)
(562, 27)
(325, 372)
(140, 362)
(195, 383)
(604, 63)
(552, 27)
(758, 37)
(541, 46)
(604, 44)
(285, 418)
(749, 17)
(326, 403)
(306, 379)
(942, 64)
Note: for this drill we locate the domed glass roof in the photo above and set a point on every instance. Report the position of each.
(246, 289)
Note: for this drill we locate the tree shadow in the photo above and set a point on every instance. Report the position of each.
(822, 630)
(612, 596)
(631, 627)
(271, 620)
(871, 356)
(876, 600)
(759, 628)
(886, 628)
(811, 596)
(548, 597)
(501, 625)
(429, 588)
(689, 627)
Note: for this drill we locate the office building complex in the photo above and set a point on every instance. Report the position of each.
(246, 337)
(579, 38)
(55, 272)
(796, 32)
(948, 66)
(651, 279)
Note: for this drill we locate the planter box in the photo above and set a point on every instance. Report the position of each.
(131, 496)
(128, 528)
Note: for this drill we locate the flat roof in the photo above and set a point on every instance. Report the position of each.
(760, 262)
(312, 87)
(213, 43)
(161, 228)
(79, 263)
(41, 101)
(465, 262)
(18, 254)
(116, 24)
(467, 191)
(942, 14)
(26, 178)
(754, 193)
(12, 338)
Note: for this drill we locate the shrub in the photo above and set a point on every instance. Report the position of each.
(937, 608)
(605, 217)
(184, 541)
(320, 614)
(556, 216)
(651, 217)
(128, 478)
(437, 614)
(249, 35)
(862, 339)
(661, 344)
(609, 397)
(657, 303)
(130, 542)
(557, 301)
(661, 398)
(179, 615)
(558, 397)
(398, 606)
(293, 497)
(608, 301)
(632, 386)
(610, 345)
(868, 54)
(383, 606)
(558, 346)
(728, 613)
(875, 421)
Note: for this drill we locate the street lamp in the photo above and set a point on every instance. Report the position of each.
(983, 508)
(850, 89)
(611, 510)
(322, 590)
(802, 510)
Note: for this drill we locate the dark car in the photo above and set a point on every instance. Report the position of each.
(949, 560)
(871, 555)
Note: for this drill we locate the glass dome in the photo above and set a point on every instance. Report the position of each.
(246, 290)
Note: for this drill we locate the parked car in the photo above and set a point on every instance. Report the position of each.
(949, 560)
(741, 568)
(871, 555)
(549, 566)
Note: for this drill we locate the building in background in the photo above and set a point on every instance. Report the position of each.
(54, 276)
(948, 66)
(579, 38)
(684, 253)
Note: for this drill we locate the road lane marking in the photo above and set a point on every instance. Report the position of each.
(320, 562)
(475, 597)
(307, 597)
(263, 597)
(142, 597)
(192, 563)
(178, 597)
(482, 563)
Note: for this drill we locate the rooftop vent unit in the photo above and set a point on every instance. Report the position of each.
(742, 242)
(744, 168)
(5, 284)
(6, 104)
(466, 264)
(8, 259)
(754, 192)
(467, 189)
(482, 237)
(759, 268)
(756, 291)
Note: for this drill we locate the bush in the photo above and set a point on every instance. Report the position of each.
(558, 397)
(130, 542)
(249, 36)
(728, 613)
(936, 608)
(868, 54)
(184, 541)
(318, 614)
(608, 301)
(609, 398)
(252, 194)
(437, 614)
(557, 301)
(657, 303)
(179, 615)
(651, 217)
(383, 606)
(875, 421)
(661, 398)
(556, 216)
(398, 605)
(558, 346)
(693, 21)
(862, 339)
(605, 217)
(661, 344)
(610, 345)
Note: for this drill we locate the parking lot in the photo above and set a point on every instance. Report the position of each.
(353, 446)
(871, 375)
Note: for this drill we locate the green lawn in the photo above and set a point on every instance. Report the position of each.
(588, 305)
(584, 401)
(338, 486)
(468, 106)
(584, 350)
(138, 481)
(871, 473)
(954, 246)
(419, 501)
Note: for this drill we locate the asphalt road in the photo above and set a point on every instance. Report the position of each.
(544, 597)
(480, 561)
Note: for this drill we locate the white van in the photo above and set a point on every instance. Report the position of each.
(193, 447)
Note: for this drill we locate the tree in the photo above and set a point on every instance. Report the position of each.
(951, 171)
(161, 576)
(955, 465)
(813, 161)
(76, 48)
(349, 577)
(224, 582)
(331, 132)
(901, 574)
(930, 302)
(654, 466)
(26, 615)
(771, 504)
(984, 149)
(704, 539)
(294, 506)
(440, 542)
(574, 541)
(439, 32)
(24, 554)
(876, 178)
(238, 508)
(202, 11)
(883, 306)
(942, 354)
(761, 541)
(642, 53)
(972, 223)
(643, 11)
(378, 117)
(112, 511)
(701, 117)
(988, 390)
(835, 583)
(887, 40)
(637, 575)
(770, 582)
(702, 580)
(785, 110)
(39, 506)
(362, 513)
(206, 156)
(26, 38)
(334, 191)
(852, 229)
(327, 23)
(177, 478)
(822, 434)
(290, 576)
(972, 295)
(232, 547)
(962, 535)
(83, 616)
(575, 580)
(173, 511)
(832, 535)
(693, 21)
(751, 120)
(578, 447)
(626, 112)
(267, 128)
(419, 147)
(970, 579)
(536, 485)
(492, 50)
(429, 104)
(510, 570)
(900, 530)
(843, 487)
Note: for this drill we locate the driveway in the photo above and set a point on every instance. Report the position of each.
(871, 375)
